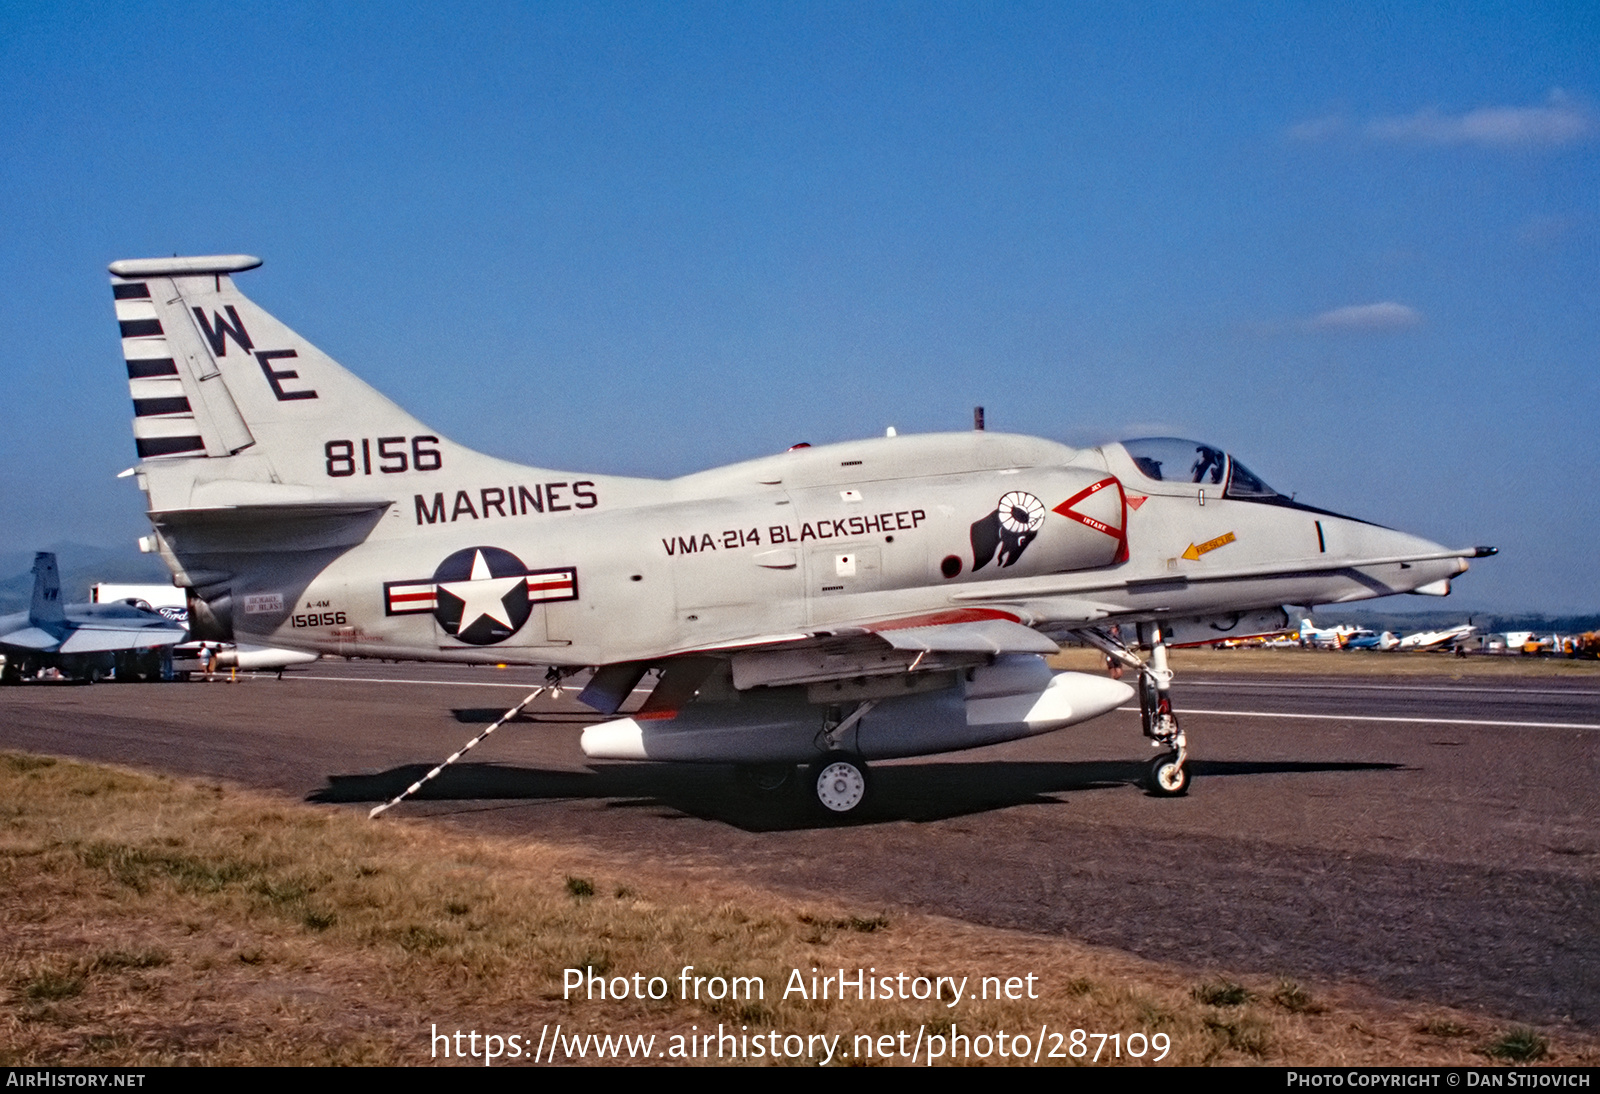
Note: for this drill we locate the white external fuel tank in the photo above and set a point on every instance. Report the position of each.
(262, 658)
(1017, 696)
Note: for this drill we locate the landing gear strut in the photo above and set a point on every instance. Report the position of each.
(840, 780)
(1168, 774)
(1169, 778)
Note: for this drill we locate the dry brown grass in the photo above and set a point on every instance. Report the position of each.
(151, 920)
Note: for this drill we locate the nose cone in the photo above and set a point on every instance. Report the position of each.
(1355, 540)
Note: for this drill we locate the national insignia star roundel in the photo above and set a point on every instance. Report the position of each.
(482, 595)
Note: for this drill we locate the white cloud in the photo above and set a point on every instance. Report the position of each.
(1386, 315)
(1560, 121)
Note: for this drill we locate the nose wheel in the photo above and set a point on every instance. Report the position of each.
(1169, 778)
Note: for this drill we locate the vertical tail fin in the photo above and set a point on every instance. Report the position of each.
(234, 413)
(46, 606)
(214, 375)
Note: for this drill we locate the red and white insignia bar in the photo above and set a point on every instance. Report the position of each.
(408, 597)
(559, 584)
(419, 597)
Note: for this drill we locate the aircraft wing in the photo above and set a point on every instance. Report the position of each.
(101, 638)
(966, 636)
(969, 630)
(838, 652)
(96, 638)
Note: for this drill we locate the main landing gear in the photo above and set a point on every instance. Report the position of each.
(840, 780)
(837, 784)
(1168, 775)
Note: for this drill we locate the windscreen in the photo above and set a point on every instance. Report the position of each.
(1172, 459)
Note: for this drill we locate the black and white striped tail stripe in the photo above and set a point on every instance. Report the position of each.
(163, 420)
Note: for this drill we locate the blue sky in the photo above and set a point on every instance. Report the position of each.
(1357, 245)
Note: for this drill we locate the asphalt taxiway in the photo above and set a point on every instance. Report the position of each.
(1434, 839)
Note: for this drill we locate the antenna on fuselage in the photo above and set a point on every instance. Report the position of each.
(977, 418)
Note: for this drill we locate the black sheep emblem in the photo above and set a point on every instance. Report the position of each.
(1008, 530)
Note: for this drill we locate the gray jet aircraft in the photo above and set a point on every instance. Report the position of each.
(823, 606)
(84, 641)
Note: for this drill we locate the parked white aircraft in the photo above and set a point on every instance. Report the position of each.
(1433, 640)
(1330, 638)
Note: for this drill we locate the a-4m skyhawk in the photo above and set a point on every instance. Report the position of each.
(824, 606)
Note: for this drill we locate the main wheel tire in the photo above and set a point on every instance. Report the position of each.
(1168, 778)
(839, 782)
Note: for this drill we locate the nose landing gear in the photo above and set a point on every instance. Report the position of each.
(1168, 776)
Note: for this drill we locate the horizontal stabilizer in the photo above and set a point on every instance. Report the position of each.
(292, 510)
(278, 526)
(978, 636)
(30, 638)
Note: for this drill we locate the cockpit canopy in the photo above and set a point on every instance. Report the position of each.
(1171, 459)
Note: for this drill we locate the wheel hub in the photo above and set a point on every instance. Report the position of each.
(840, 787)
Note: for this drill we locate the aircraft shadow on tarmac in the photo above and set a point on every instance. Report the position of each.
(482, 716)
(904, 791)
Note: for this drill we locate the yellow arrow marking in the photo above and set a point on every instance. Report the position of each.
(1194, 552)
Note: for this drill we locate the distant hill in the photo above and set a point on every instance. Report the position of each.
(81, 566)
